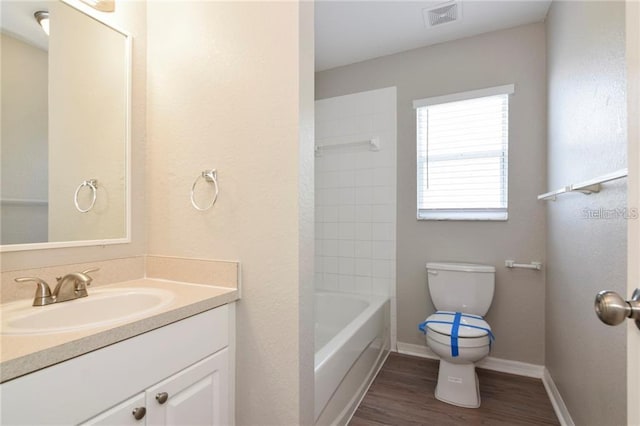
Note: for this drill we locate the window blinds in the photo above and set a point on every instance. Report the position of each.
(462, 151)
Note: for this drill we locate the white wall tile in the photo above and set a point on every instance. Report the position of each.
(363, 231)
(331, 179)
(346, 178)
(346, 248)
(381, 286)
(355, 195)
(347, 213)
(346, 265)
(383, 232)
(383, 213)
(330, 247)
(363, 177)
(381, 268)
(330, 282)
(346, 160)
(383, 195)
(363, 285)
(331, 196)
(330, 213)
(385, 250)
(346, 195)
(362, 249)
(330, 231)
(346, 231)
(330, 264)
(363, 195)
(347, 283)
(363, 213)
(363, 267)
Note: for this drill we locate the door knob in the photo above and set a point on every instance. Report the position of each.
(612, 309)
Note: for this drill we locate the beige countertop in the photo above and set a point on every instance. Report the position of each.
(23, 354)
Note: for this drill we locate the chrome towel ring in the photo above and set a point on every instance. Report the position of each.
(93, 186)
(209, 176)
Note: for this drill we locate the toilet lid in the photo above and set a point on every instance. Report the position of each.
(446, 318)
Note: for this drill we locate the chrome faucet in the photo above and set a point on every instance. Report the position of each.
(71, 286)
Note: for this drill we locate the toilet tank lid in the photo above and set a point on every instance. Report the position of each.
(460, 267)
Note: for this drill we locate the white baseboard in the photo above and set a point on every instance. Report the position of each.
(489, 363)
(511, 367)
(564, 417)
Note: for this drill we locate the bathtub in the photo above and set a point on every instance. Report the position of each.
(351, 343)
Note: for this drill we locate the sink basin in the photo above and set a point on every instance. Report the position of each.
(102, 307)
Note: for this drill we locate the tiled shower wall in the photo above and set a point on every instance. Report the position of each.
(355, 191)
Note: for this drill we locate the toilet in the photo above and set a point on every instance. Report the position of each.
(462, 294)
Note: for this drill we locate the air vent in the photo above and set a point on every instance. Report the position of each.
(442, 14)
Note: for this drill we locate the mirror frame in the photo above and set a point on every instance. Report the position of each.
(93, 14)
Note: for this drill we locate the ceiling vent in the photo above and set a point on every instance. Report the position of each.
(442, 14)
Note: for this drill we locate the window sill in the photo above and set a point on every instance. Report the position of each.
(464, 215)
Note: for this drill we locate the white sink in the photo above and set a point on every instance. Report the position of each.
(102, 307)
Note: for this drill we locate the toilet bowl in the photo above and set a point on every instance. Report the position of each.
(457, 380)
(457, 332)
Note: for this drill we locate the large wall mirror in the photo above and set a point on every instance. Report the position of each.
(65, 128)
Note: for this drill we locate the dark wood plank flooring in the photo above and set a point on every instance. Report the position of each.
(403, 394)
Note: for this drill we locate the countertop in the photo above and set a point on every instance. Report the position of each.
(23, 354)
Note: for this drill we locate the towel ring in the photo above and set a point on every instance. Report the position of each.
(209, 176)
(93, 185)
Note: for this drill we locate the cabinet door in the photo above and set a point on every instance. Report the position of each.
(196, 395)
(122, 414)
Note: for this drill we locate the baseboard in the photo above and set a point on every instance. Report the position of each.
(564, 417)
(511, 367)
(489, 363)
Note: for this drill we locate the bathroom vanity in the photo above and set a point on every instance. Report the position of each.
(174, 366)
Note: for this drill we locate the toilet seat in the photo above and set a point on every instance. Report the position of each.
(439, 327)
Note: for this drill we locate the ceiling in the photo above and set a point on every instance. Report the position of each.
(353, 31)
(17, 20)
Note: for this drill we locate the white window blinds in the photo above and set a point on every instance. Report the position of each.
(462, 148)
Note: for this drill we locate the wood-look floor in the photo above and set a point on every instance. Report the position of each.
(403, 394)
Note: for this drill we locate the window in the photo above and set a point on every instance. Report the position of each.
(462, 143)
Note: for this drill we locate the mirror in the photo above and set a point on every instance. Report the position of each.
(65, 128)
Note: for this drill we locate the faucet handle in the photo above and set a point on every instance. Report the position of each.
(88, 271)
(43, 292)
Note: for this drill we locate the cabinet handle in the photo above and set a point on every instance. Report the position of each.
(139, 413)
(162, 397)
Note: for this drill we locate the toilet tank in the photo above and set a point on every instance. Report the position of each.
(461, 287)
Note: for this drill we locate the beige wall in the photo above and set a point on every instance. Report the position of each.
(226, 92)
(587, 138)
(23, 142)
(87, 126)
(511, 56)
(131, 16)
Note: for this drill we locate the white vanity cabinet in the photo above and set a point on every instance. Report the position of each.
(121, 414)
(191, 361)
(195, 396)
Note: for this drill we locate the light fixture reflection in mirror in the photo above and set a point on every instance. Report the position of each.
(42, 16)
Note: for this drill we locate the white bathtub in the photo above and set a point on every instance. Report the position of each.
(351, 343)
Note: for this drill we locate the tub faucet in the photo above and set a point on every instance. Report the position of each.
(73, 286)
